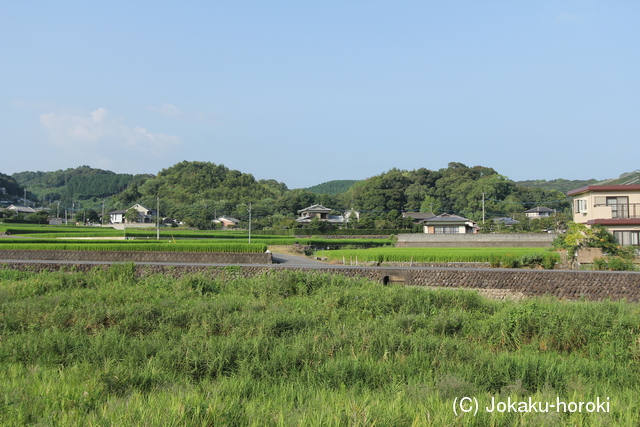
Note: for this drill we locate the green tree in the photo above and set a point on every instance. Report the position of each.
(132, 216)
(430, 204)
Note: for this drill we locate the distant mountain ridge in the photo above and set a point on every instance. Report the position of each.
(559, 184)
(81, 183)
(628, 178)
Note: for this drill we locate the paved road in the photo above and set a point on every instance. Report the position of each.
(296, 261)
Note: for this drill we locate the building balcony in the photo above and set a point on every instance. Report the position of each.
(622, 210)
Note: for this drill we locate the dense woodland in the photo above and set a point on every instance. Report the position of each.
(198, 192)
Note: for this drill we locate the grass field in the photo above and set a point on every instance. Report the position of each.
(44, 233)
(286, 349)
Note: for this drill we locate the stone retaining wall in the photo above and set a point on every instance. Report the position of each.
(494, 283)
(140, 256)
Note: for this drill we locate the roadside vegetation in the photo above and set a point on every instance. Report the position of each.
(114, 348)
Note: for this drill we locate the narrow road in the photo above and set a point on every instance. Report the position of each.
(296, 261)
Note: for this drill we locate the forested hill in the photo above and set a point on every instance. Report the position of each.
(81, 183)
(188, 188)
(333, 187)
(629, 178)
(11, 187)
(562, 185)
(456, 189)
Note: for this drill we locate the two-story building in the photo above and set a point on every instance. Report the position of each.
(617, 207)
(320, 212)
(145, 215)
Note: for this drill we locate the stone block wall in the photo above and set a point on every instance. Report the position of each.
(139, 256)
(494, 283)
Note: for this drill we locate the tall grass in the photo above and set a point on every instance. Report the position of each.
(214, 348)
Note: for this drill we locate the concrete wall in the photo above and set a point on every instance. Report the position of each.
(495, 283)
(140, 256)
(475, 240)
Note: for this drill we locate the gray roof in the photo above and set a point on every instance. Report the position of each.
(418, 216)
(315, 208)
(539, 209)
(447, 218)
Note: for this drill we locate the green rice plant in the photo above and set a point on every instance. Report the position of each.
(435, 255)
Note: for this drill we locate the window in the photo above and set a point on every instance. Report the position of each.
(627, 238)
(581, 206)
(619, 206)
(451, 229)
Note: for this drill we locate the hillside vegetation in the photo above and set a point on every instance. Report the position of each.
(198, 192)
(81, 183)
(562, 185)
(333, 187)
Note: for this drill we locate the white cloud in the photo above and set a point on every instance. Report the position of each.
(168, 110)
(99, 115)
(100, 132)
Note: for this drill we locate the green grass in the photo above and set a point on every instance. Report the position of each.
(214, 348)
(429, 254)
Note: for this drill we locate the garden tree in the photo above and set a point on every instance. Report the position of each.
(39, 217)
(132, 215)
(319, 225)
(7, 213)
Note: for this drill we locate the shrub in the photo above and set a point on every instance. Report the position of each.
(510, 261)
(494, 261)
(599, 264)
(549, 260)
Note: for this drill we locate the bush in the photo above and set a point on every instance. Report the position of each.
(510, 261)
(549, 260)
(614, 263)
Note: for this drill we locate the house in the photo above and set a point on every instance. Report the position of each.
(539, 212)
(506, 221)
(21, 209)
(145, 216)
(227, 221)
(616, 207)
(449, 224)
(320, 212)
(418, 217)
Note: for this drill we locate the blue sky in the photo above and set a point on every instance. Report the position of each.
(304, 92)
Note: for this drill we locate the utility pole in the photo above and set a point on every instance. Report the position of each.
(249, 222)
(483, 209)
(158, 218)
